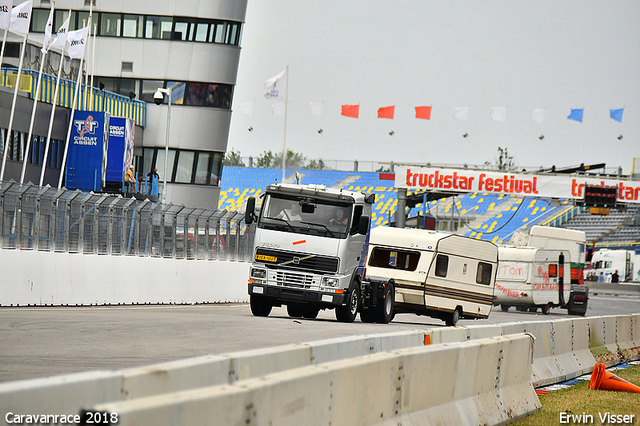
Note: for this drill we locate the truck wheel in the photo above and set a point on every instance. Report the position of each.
(505, 308)
(385, 309)
(260, 307)
(452, 318)
(367, 315)
(546, 308)
(348, 312)
(294, 311)
(310, 311)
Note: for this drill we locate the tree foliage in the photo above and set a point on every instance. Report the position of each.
(504, 160)
(233, 158)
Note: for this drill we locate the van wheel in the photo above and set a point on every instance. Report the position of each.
(348, 312)
(452, 318)
(546, 308)
(260, 307)
(384, 311)
(505, 308)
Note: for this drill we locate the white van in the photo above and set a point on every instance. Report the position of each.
(442, 275)
(532, 278)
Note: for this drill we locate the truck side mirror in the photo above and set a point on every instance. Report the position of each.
(363, 225)
(249, 214)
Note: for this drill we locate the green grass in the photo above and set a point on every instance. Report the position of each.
(579, 399)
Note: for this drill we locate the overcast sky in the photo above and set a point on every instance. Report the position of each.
(523, 55)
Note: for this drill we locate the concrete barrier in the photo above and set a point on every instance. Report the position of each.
(85, 279)
(628, 335)
(434, 384)
(602, 340)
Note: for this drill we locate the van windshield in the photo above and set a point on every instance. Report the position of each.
(306, 216)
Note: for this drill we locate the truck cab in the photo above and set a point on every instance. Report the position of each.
(309, 250)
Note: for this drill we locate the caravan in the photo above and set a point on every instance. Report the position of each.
(442, 275)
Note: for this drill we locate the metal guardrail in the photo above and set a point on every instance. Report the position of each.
(66, 221)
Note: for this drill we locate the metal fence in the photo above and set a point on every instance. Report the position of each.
(48, 219)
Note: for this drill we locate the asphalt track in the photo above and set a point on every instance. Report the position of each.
(41, 342)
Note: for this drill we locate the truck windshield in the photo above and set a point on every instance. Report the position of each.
(305, 216)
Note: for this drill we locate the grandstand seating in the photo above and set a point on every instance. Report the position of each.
(492, 217)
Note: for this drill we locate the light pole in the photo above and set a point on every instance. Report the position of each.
(158, 98)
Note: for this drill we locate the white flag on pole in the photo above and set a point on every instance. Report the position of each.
(278, 109)
(60, 40)
(538, 115)
(499, 114)
(316, 108)
(246, 108)
(5, 13)
(276, 87)
(48, 29)
(21, 17)
(77, 42)
(461, 113)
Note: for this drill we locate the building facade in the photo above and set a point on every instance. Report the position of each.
(191, 47)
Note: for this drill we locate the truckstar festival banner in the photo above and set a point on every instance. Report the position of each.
(498, 182)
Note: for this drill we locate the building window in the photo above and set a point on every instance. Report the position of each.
(110, 24)
(185, 166)
(132, 26)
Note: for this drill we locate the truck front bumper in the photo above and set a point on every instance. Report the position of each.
(282, 294)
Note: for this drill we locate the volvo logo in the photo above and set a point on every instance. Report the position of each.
(296, 260)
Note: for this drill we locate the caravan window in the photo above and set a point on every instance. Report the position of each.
(395, 259)
(483, 276)
(442, 265)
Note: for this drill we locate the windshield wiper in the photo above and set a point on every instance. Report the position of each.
(320, 224)
(282, 220)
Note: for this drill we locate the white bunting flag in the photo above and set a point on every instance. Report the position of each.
(499, 114)
(538, 115)
(48, 30)
(276, 87)
(461, 113)
(316, 108)
(5, 13)
(246, 108)
(77, 42)
(278, 109)
(60, 40)
(21, 17)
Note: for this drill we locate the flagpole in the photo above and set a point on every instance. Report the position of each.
(4, 42)
(13, 106)
(93, 61)
(286, 108)
(53, 109)
(73, 110)
(33, 116)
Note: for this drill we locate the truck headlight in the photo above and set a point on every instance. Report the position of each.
(331, 282)
(258, 273)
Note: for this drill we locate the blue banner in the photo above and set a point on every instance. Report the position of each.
(87, 156)
(576, 114)
(120, 153)
(616, 114)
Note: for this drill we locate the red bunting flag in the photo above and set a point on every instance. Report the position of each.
(423, 112)
(351, 110)
(386, 112)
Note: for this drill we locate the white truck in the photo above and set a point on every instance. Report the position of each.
(309, 254)
(441, 275)
(532, 278)
(626, 262)
(571, 240)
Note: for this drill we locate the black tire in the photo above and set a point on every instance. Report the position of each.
(452, 318)
(260, 307)
(294, 311)
(546, 309)
(384, 311)
(349, 312)
(310, 311)
(505, 308)
(368, 315)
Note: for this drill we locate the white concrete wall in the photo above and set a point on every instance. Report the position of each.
(45, 278)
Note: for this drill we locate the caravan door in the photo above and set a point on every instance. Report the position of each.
(551, 278)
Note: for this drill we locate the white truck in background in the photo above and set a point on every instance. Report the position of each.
(626, 262)
(573, 241)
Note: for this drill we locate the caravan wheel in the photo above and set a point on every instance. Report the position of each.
(546, 308)
(452, 318)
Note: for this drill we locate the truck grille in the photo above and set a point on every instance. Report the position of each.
(290, 279)
(297, 261)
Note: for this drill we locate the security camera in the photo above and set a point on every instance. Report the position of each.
(158, 97)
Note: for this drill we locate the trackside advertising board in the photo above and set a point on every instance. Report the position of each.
(120, 153)
(87, 156)
(497, 182)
